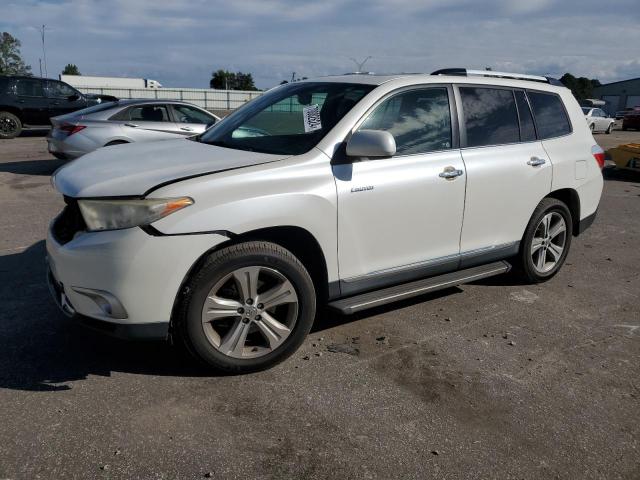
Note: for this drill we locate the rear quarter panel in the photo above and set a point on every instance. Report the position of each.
(574, 166)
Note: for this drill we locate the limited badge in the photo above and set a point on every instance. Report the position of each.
(311, 116)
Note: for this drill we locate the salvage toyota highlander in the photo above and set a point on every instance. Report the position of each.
(352, 191)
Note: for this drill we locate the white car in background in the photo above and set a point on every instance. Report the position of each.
(352, 191)
(598, 120)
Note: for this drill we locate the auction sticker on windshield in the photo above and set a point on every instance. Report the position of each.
(311, 115)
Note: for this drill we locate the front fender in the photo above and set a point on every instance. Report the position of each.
(299, 192)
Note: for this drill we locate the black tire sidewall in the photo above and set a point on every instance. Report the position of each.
(205, 280)
(15, 119)
(548, 205)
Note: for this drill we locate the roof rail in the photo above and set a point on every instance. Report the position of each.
(465, 72)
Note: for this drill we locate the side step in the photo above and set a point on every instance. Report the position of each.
(400, 292)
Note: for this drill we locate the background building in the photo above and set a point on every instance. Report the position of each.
(619, 95)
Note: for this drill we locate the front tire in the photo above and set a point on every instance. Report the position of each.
(546, 241)
(609, 128)
(10, 125)
(247, 308)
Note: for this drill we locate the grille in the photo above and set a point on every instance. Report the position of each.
(69, 222)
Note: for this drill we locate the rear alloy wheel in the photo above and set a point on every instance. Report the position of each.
(546, 242)
(248, 307)
(10, 125)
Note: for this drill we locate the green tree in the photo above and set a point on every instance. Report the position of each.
(71, 69)
(581, 87)
(226, 80)
(11, 62)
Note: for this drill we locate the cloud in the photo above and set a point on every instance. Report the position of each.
(180, 42)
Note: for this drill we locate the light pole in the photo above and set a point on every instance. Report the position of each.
(44, 52)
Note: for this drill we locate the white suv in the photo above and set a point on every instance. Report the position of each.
(351, 191)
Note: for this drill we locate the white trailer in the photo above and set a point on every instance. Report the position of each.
(87, 81)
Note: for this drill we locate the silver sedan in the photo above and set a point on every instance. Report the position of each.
(124, 121)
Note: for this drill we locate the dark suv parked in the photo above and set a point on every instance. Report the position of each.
(31, 101)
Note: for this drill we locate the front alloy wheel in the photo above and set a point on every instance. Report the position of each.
(246, 308)
(250, 312)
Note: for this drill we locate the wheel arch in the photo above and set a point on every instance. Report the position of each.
(15, 110)
(571, 199)
(297, 240)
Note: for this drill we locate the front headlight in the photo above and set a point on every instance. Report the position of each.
(118, 214)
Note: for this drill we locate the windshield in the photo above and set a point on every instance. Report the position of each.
(288, 120)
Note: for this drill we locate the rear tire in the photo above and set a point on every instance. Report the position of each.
(10, 125)
(546, 241)
(247, 308)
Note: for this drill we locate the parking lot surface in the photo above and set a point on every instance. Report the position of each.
(495, 379)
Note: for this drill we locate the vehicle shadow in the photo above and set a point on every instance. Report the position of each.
(36, 132)
(42, 350)
(620, 175)
(32, 167)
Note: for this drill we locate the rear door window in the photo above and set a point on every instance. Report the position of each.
(29, 88)
(149, 113)
(551, 117)
(419, 120)
(490, 116)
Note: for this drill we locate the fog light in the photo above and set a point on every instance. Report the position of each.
(109, 304)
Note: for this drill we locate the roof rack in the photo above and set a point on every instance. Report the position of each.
(465, 72)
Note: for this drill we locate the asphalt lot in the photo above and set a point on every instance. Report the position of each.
(491, 380)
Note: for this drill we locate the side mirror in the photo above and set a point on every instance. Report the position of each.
(73, 98)
(371, 143)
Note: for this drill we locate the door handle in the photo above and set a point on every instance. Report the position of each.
(536, 162)
(186, 129)
(131, 125)
(450, 173)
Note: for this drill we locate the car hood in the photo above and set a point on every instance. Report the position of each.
(134, 169)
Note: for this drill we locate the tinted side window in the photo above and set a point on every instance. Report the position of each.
(490, 116)
(149, 113)
(185, 114)
(60, 90)
(527, 129)
(551, 118)
(29, 88)
(419, 120)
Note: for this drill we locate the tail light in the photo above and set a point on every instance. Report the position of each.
(70, 129)
(598, 154)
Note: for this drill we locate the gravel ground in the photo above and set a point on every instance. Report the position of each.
(490, 380)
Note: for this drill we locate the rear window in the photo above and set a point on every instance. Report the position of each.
(551, 117)
(490, 116)
(29, 88)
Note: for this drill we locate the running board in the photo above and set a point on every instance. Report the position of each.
(400, 292)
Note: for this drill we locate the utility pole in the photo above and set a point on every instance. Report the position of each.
(44, 52)
(293, 77)
(360, 65)
(40, 62)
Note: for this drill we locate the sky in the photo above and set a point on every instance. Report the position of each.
(180, 42)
